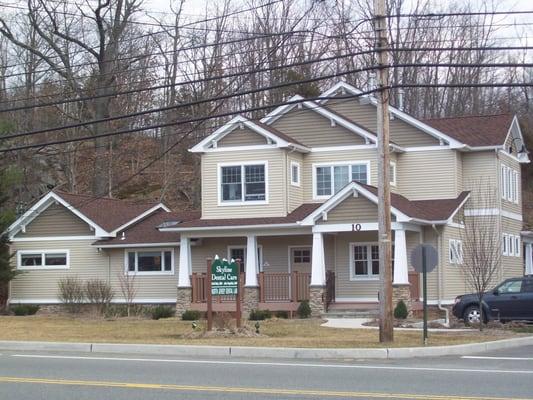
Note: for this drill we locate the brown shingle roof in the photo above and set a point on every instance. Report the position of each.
(430, 210)
(297, 215)
(145, 231)
(106, 212)
(476, 131)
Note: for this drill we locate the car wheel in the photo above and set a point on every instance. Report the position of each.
(472, 316)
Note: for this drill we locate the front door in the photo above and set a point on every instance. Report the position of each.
(301, 259)
(239, 252)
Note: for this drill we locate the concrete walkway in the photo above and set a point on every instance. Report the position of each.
(357, 323)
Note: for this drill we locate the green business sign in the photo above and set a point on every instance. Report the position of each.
(224, 277)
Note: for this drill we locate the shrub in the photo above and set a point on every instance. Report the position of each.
(282, 314)
(304, 310)
(161, 311)
(71, 293)
(259, 315)
(190, 315)
(400, 311)
(24, 309)
(99, 293)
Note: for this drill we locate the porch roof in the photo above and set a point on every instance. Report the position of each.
(295, 216)
(146, 232)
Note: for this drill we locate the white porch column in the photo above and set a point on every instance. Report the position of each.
(529, 258)
(318, 265)
(401, 276)
(251, 262)
(184, 280)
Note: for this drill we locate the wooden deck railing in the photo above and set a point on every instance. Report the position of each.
(283, 287)
(273, 287)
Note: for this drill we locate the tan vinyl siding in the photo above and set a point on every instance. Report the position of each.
(56, 220)
(352, 210)
(459, 172)
(427, 174)
(512, 266)
(313, 130)
(295, 193)
(401, 133)
(455, 282)
(431, 237)
(277, 175)
(241, 137)
(163, 286)
(480, 177)
(515, 166)
(346, 288)
(87, 263)
(325, 157)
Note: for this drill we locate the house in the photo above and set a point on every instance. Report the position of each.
(297, 191)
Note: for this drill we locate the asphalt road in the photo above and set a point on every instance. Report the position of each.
(66, 376)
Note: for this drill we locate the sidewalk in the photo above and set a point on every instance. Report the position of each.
(358, 323)
(266, 352)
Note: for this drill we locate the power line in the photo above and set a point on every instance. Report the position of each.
(252, 91)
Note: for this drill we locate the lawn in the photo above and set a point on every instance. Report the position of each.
(276, 332)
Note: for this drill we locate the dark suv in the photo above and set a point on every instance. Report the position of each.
(510, 300)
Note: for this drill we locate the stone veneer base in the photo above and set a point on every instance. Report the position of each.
(316, 300)
(183, 301)
(402, 292)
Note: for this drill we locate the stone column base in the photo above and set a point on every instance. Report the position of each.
(402, 292)
(316, 300)
(183, 302)
(250, 300)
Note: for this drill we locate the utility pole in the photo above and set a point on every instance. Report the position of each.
(386, 333)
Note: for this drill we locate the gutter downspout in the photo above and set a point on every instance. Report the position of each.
(439, 280)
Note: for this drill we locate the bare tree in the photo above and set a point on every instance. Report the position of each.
(128, 288)
(480, 255)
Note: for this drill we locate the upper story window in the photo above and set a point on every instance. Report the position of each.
(295, 173)
(243, 183)
(511, 245)
(150, 262)
(43, 259)
(329, 179)
(509, 184)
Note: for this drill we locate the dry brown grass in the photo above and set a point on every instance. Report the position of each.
(282, 333)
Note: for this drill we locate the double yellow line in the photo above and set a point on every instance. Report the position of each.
(248, 390)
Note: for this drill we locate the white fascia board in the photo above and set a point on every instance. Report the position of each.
(344, 193)
(281, 110)
(232, 125)
(53, 300)
(313, 106)
(454, 144)
(134, 245)
(450, 219)
(140, 217)
(42, 205)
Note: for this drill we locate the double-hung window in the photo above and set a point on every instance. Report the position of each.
(509, 184)
(456, 251)
(511, 245)
(329, 179)
(243, 183)
(43, 259)
(295, 173)
(364, 261)
(150, 261)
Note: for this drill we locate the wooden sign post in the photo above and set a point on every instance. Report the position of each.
(223, 278)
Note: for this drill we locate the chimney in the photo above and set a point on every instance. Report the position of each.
(401, 92)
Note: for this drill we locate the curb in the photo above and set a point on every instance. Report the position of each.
(267, 352)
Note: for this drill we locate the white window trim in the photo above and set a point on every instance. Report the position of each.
(222, 203)
(43, 253)
(505, 245)
(150, 250)
(393, 175)
(259, 249)
(298, 167)
(369, 276)
(458, 246)
(517, 246)
(509, 181)
(335, 164)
